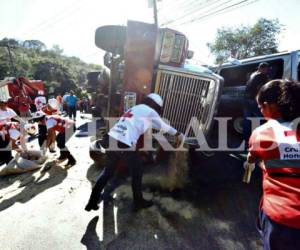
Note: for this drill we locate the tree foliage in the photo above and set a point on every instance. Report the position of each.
(32, 60)
(246, 41)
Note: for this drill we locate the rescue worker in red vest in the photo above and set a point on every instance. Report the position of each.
(125, 134)
(24, 103)
(276, 145)
(51, 108)
(9, 132)
(59, 125)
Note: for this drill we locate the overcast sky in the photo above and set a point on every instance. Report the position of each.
(72, 23)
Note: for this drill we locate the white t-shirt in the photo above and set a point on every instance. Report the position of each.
(6, 115)
(135, 122)
(50, 123)
(39, 102)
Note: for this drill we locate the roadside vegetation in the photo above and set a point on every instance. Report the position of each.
(32, 59)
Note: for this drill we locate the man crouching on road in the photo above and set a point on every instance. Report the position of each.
(125, 134)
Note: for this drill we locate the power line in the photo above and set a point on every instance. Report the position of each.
(64, 13)
(197, 10)
(53, 19)
(219, 11)
(192, 9)
(170, 8)
(237, 7)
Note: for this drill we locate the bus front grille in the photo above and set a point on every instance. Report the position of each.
(184, 97)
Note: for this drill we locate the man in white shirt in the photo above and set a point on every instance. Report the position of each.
(6, 114)
(40, 100)
(125, 134)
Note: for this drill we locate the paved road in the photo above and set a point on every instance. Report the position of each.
(44, 210)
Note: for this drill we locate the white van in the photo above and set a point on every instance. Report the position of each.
(284, 65)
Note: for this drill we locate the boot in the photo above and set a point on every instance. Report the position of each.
(71, 162)
(142, 203)
(92, 205)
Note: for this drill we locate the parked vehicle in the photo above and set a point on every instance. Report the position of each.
(282, 65)
(11, 87)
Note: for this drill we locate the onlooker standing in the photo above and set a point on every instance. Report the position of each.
(71, 101)
(40, 100)
(85, 104)
(60, 103)
(23, 103)
(64, 102)
(256, 81)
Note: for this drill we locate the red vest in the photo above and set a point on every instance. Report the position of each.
(61, 123)
(23, 103)
(5, 127)
(278, 146)
(47, 111)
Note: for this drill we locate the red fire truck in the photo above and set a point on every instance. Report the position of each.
(143, 58)
(11, 87)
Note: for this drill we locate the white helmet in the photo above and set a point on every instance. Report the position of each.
(38, 114)
(40, 92)
(156, 98)
(53, 103)
(30, 128)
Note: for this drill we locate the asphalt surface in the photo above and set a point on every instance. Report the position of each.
(45, 209)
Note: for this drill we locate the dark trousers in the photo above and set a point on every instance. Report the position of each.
(250, 110)
(64, 151)
(277, 236)
(42, 137)
(72, 111)
(5, 151)
(132, 160)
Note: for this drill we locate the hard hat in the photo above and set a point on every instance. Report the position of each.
(40, 92)
(156, 98)
(53, 103)
(38, 114)
(30, 128)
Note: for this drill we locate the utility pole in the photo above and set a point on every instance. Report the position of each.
(13, 68)
(11, 60)
(155, 12)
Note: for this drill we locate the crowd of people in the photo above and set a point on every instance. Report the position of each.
(52, 125)
(275, 146)
(68, 104)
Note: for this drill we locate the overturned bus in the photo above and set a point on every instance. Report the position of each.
(143, 59)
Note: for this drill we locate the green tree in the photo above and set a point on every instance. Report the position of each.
(56, 49)
(34, 44)
(32, 60)
(246, 41)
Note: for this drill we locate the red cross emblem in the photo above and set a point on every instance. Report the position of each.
(293, 133)
(127, 114)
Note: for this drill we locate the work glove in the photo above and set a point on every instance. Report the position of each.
(180, 138)
(249, 167)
